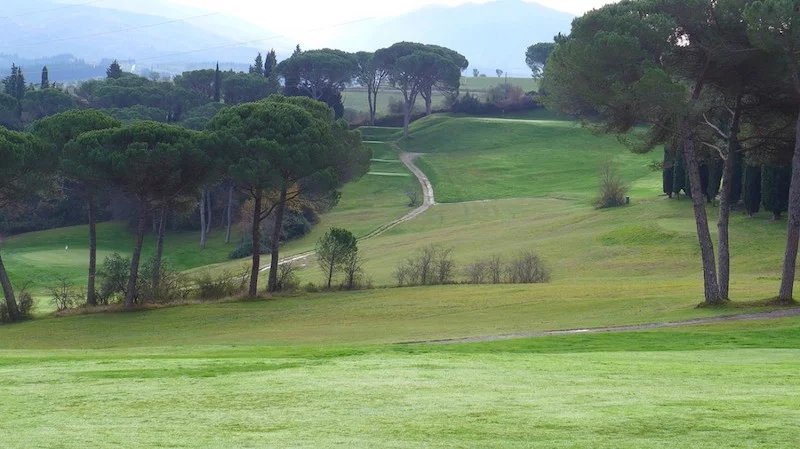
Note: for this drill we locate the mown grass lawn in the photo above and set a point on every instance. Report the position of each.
(698, 387)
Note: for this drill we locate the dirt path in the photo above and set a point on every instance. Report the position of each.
(781, 313)
(427, 201)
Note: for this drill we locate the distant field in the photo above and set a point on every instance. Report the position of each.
(356, 98)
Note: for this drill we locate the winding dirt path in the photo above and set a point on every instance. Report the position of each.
(428, 200)
(780, 313)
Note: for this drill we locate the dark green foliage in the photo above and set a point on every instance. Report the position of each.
(199, 117)
(320, 74)
(737, 174)
(45, 84)
(10, 116)
(41, 103)
(536, 56)
(245, 88)
(217, 85)
(270, 64)
(114, 71)
(138, 113)
(201, 82)
(679, 178)
(751, 189)
(667, 174)
(334, 250)
(258, 66)
(775, 183)
(295, 225)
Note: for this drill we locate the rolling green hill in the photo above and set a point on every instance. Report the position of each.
(328, 369)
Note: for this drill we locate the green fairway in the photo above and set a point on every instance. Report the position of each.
(705, 387)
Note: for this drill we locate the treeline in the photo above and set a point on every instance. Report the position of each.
(717, 83)
(279, 153)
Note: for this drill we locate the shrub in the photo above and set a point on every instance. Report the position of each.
(527, 268)
(25, 304)
(172, 286)
(432, 265)
(476, 272)
(612, 189)
(226, 284)
(64, 295)
(113, 278)
(287, 278)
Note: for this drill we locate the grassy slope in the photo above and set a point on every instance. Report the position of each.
(316, 370)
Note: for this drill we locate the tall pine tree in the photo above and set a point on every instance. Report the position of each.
(258, 66)
(217, 85)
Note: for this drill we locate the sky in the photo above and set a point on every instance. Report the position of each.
(296, 18)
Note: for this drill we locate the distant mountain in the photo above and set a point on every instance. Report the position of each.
(45, 28)
(491, 35)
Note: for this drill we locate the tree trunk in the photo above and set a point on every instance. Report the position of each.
(371, 95)
(91, 290)
(725, 204)
(275, 241)
(133, 277)
(711, 286)
(208, 216)
(203, 219)
(330, 271)
(256, 236)
(159, 250)
(229, 215)
(428, 105)
(406, 117)
(8, 291)
(786, 292)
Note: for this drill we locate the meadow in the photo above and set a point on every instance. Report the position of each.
(362, 369)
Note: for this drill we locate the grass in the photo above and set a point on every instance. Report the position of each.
(328, 369)
(702, 387)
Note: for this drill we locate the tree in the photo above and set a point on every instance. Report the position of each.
(201, 82)
(498, 72)
(270, 64)
(751, 189)
(774, 25)
(476, 73)
(10, 112)
(114, 71)
(156, 164)
(371, 73)
(245, 88)
(775, 189)
(334, 250)
(27, 162)
(217, 85)
(45, 84)
(319, 74)
(41, 103)
(536, 57)
(415, 69)
(654, 62)
(258, 66)
(667, 174)
(78, 163)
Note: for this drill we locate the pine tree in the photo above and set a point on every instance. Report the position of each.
(217, 85)
(45, 78)
(258, 67)
(10, 82)
(775, 189)
(114, 71)
(751, 189)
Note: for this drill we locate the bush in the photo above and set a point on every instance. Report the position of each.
(432, 265)
(25, 304)
(612, 190)
(64, 295)
(113, 275)
(287, 278)
(226, 284)
(172, 286)
(527, 268)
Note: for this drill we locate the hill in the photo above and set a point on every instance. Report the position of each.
(491, 35)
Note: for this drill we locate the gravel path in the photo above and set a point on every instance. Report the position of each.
(780, 313)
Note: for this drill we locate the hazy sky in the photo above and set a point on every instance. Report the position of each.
(291, 18)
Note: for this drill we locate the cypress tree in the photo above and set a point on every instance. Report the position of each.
(270, 63)
(714, 179)
(45, 78)
(114, 71)
(736, 174)
(775, 189)
(751, 189)
(679, 177)
(19, 87)
(667, 173)
(217, 85)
